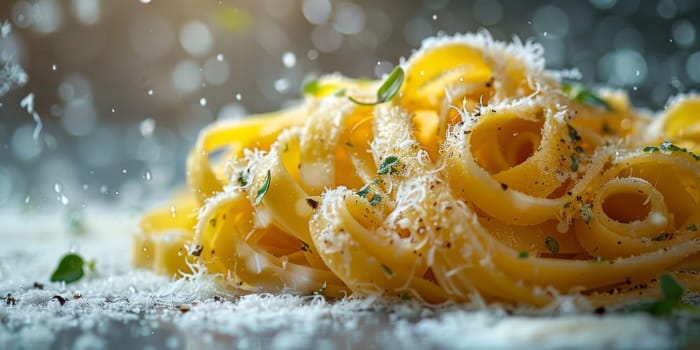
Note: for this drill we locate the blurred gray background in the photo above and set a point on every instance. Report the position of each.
(121, 87)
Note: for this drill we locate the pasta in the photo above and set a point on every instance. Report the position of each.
(470, 172)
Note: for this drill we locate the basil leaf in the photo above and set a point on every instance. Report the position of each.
(69, 270)
(263, 190)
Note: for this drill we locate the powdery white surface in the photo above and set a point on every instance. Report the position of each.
(120, 307)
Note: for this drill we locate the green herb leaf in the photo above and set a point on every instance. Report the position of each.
(552, 245)
(670, 288)
(263, 190)
(523, 255)
(574, 163)
(668, 147)
(672, 299)
(311, 87)
(242, 180)
(391, 85)
(405, 296)
(376, 198)
(586, 212)
(663, 236)
(69, 270)
(578, 93)
(387, 90)
(387, 166)
(573, 134)
(363, 192)
(692, 228)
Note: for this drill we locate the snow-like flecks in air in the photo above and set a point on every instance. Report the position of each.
(28, 104)
(11, 73)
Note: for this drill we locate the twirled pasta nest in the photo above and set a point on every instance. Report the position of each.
(484, 177)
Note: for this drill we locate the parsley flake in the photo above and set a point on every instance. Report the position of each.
(574, 163)
(387, 270)
(376, 198)
(523, 255)
(692, 228)
(242, 180)
(586, 212)
(552, 245)
(669, 147)
(387, 166)
(263, 190)
(71, 269)
(364, 191)
(387, 90)
(573, 134)
(663, 236)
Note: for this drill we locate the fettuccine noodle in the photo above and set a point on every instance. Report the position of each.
(484, 176)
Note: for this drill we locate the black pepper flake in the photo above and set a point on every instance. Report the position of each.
(61, 300)
(77, 295)
(196, 250)
(312, 203)
(10, 300)
(38, 285)
(504, 186)
(600, 310)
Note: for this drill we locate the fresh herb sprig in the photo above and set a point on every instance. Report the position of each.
(671, 299)
(71, 268)
(577, 93)
(668, 147)
(263, 189)
(387, 90)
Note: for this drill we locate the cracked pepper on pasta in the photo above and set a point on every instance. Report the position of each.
(469, 172)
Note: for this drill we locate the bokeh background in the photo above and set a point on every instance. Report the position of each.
(122, 86)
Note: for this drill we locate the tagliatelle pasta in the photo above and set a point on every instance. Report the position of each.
(484, 176)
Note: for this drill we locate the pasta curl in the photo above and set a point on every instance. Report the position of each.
(475, 175)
